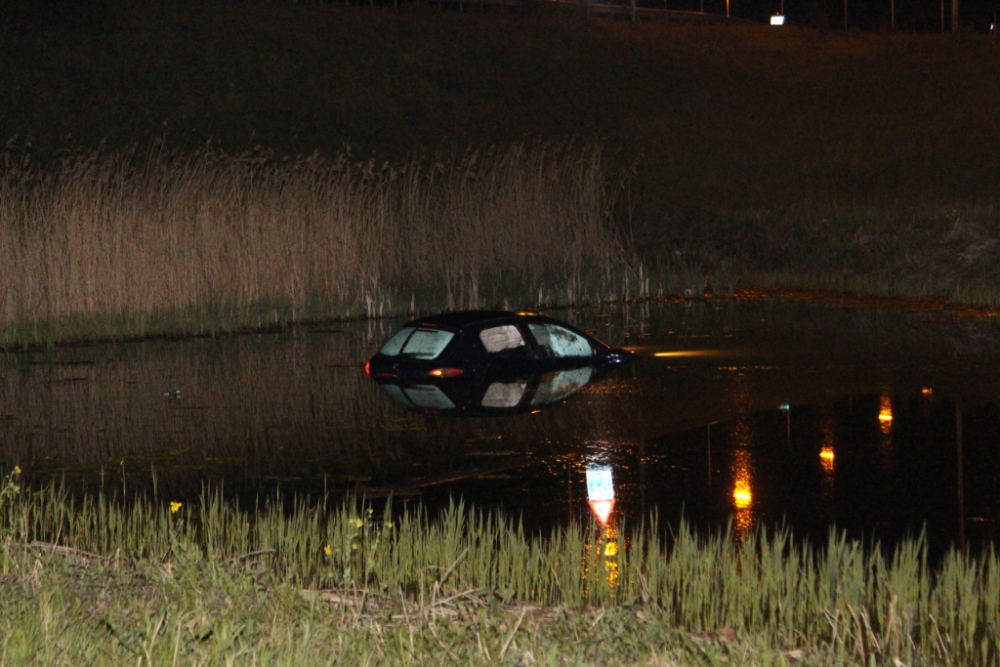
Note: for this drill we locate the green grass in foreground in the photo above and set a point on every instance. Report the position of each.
(92, 581)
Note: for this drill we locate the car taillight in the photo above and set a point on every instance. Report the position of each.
(368, 368)
(446, 372)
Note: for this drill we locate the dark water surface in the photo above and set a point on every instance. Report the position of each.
(768, 411)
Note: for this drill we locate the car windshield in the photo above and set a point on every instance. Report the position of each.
(557, 341)
(427, 343)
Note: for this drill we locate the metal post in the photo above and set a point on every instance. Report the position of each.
(709, 449)
(954, 16)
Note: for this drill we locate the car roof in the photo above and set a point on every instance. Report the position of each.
(464, 318)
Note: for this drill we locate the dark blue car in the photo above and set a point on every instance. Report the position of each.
(485, 362)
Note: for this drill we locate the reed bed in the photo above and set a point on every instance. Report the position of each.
(132, 244)
(841, 604)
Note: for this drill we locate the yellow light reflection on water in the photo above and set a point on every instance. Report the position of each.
(826, 458)
(742, 496)
(691, 353)
(610, 556)
(742, 491)
(885, 413)
(602, 562)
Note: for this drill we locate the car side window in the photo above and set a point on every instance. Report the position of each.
(505, 341)
(556, 341)
(504, 394)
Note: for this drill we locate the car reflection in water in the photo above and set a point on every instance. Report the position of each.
(489, 363)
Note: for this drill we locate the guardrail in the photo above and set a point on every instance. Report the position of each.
(590, 8)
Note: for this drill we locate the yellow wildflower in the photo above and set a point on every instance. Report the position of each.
(174, 506)
(358, 523)
(327, 550)
(17, 470)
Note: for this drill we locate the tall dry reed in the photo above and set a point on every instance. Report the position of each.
(127, 243)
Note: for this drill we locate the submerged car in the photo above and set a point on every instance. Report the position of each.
(489, 362)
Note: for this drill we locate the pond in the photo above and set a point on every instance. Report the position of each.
(741, 412)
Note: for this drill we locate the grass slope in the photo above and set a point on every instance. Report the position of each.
(735, 115)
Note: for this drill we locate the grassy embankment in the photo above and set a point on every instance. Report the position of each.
(92, 582)
(789, 158)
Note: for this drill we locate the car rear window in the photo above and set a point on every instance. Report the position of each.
(427, 396)
(424, 396)
(427, 343)
(395, 344)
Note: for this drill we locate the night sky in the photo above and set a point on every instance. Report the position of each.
(911, 15)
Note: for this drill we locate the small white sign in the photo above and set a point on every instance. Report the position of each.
(777, 19)
(600, 486)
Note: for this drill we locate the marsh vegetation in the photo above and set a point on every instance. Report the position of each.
(129, 244)
(96, 580)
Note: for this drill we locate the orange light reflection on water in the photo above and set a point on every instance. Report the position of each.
(885, 413)
(826, 458)
(611, 556)
(742, 491)
(602, 562)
